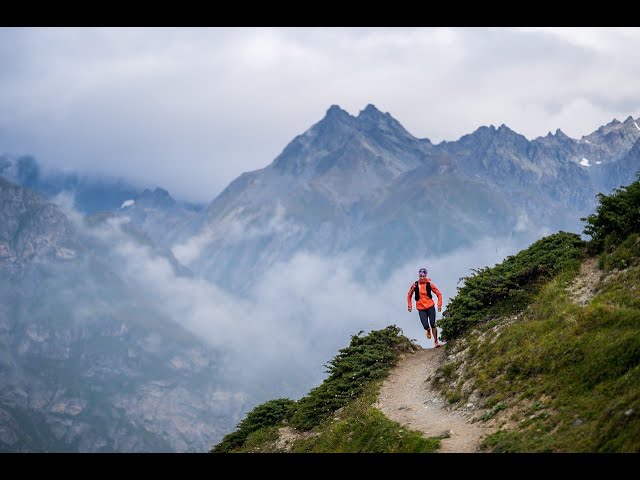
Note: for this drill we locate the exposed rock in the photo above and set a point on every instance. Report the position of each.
(287, 436)
(584, 286)
(91, 365)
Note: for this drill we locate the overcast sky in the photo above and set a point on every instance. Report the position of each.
(190, 109)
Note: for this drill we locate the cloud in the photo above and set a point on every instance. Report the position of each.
(190, 109)
(187, 251)
(235, 226)
(277, 334)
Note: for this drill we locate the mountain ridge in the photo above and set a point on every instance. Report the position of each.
(329, 181)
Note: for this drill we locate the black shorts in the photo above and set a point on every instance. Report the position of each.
(428, 317)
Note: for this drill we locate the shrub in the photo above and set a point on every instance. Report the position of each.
(265, 415)
(623, 256)
(366, 358)
(511, 285)
(617, 216)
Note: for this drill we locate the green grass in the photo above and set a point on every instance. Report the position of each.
(495, 409)
(364, 429)
(260, 441)
(623, 256)
(578, 366)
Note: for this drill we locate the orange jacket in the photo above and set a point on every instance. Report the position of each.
(424, 302)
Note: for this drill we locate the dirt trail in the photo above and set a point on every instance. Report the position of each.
(407, 397)
(583, 288)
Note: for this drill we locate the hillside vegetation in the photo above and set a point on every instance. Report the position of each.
(338, 414)
(559, 376)
(553, 374)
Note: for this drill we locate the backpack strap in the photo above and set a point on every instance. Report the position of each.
(416, 291)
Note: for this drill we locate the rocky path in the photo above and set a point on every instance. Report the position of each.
(407, 397)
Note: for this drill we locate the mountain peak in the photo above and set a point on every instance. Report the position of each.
(483, 130)
(616, 125)
(560, 133)
(336, 115)
(371, 110)
(159, 197)
(335, 111)
(371, 119)
(372, 115)
(504, 129)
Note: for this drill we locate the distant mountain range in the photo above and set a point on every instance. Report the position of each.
(90, 362)
(365, 184)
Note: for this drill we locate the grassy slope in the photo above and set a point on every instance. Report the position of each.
(567, 375)
(563, 377)
(358, 428)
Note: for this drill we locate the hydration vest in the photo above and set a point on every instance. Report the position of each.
(416, 291)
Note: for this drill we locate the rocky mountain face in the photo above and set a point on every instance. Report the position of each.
(618, 173)
(88, 362)
(31, 230)
(612, 141)
(365, 184)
